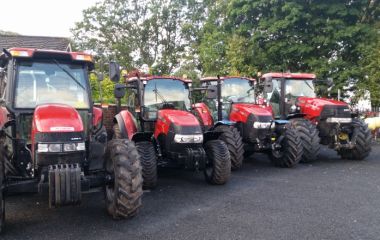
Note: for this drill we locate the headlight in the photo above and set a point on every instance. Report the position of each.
(43, 147)
(338, 120)
(55, 147)
(195, 138)
(59, 147)
(262, 125)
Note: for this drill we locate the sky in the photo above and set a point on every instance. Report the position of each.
(42, 17)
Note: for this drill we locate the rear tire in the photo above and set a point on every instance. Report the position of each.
(148, 159)
(123, 193)
(290, 152)
(218, 165)
(2, 184)
(363, 143)
(231, 137)
(309, 135)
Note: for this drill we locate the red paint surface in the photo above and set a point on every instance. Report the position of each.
(204, 113)
(50, 116)
(31, 52)
(129, 123)
(313, 107)
(241, 111)
(97, 117)
(177, 117)
(3, 116)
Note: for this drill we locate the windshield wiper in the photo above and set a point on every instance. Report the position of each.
(308, 84)
(69, 74)
(155, 90)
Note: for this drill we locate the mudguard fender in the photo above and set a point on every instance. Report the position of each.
(127, 124)
(204, 114)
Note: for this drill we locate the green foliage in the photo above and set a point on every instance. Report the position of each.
(336, 39)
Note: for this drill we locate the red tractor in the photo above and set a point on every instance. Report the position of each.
(236, 107)
(318, 120)
(165, 132)
(52, 137)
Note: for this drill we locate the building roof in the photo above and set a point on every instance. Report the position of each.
(53, 43)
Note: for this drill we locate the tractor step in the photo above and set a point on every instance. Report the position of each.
(64, 184)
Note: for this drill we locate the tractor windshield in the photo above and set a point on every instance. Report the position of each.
(237, 90)
(165, 92)
(299, 88)
(51, 82)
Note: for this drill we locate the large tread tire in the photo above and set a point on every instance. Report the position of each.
(123, 195)
(148, 159)
(309, 135)
(116, 132)
(231, 137)
(218, 166)
(291, 151)
(2, 184)
(362, 145)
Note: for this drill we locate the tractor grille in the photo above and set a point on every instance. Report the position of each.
(335, 111)
(45, 159)
(59, 137)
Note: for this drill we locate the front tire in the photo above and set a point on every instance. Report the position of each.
(309, 135)
(124, 190)
(148, 160)
(218, 165)
(362, 144)
(290, 150)
(231, 137)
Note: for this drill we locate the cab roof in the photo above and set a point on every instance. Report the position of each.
(30, 53)
(289, 75)
(211, 79)
(148, 78)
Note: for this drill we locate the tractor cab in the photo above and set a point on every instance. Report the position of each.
(284, 91)
(157, 93)
(234, 91)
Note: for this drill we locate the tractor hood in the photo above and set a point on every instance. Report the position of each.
(178, 117)
(50, 118)
(319, 102)
(176, 121)
(314, 107)
(241, 111)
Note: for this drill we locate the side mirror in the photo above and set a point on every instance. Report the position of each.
(268, 85)
(211, 92)
(119, 90)
(114, 71)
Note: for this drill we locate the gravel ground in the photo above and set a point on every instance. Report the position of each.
(329, 199)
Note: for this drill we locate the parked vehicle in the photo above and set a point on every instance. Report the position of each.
(166, 133)
(237, 114)
(52, 138)
(319, 120)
